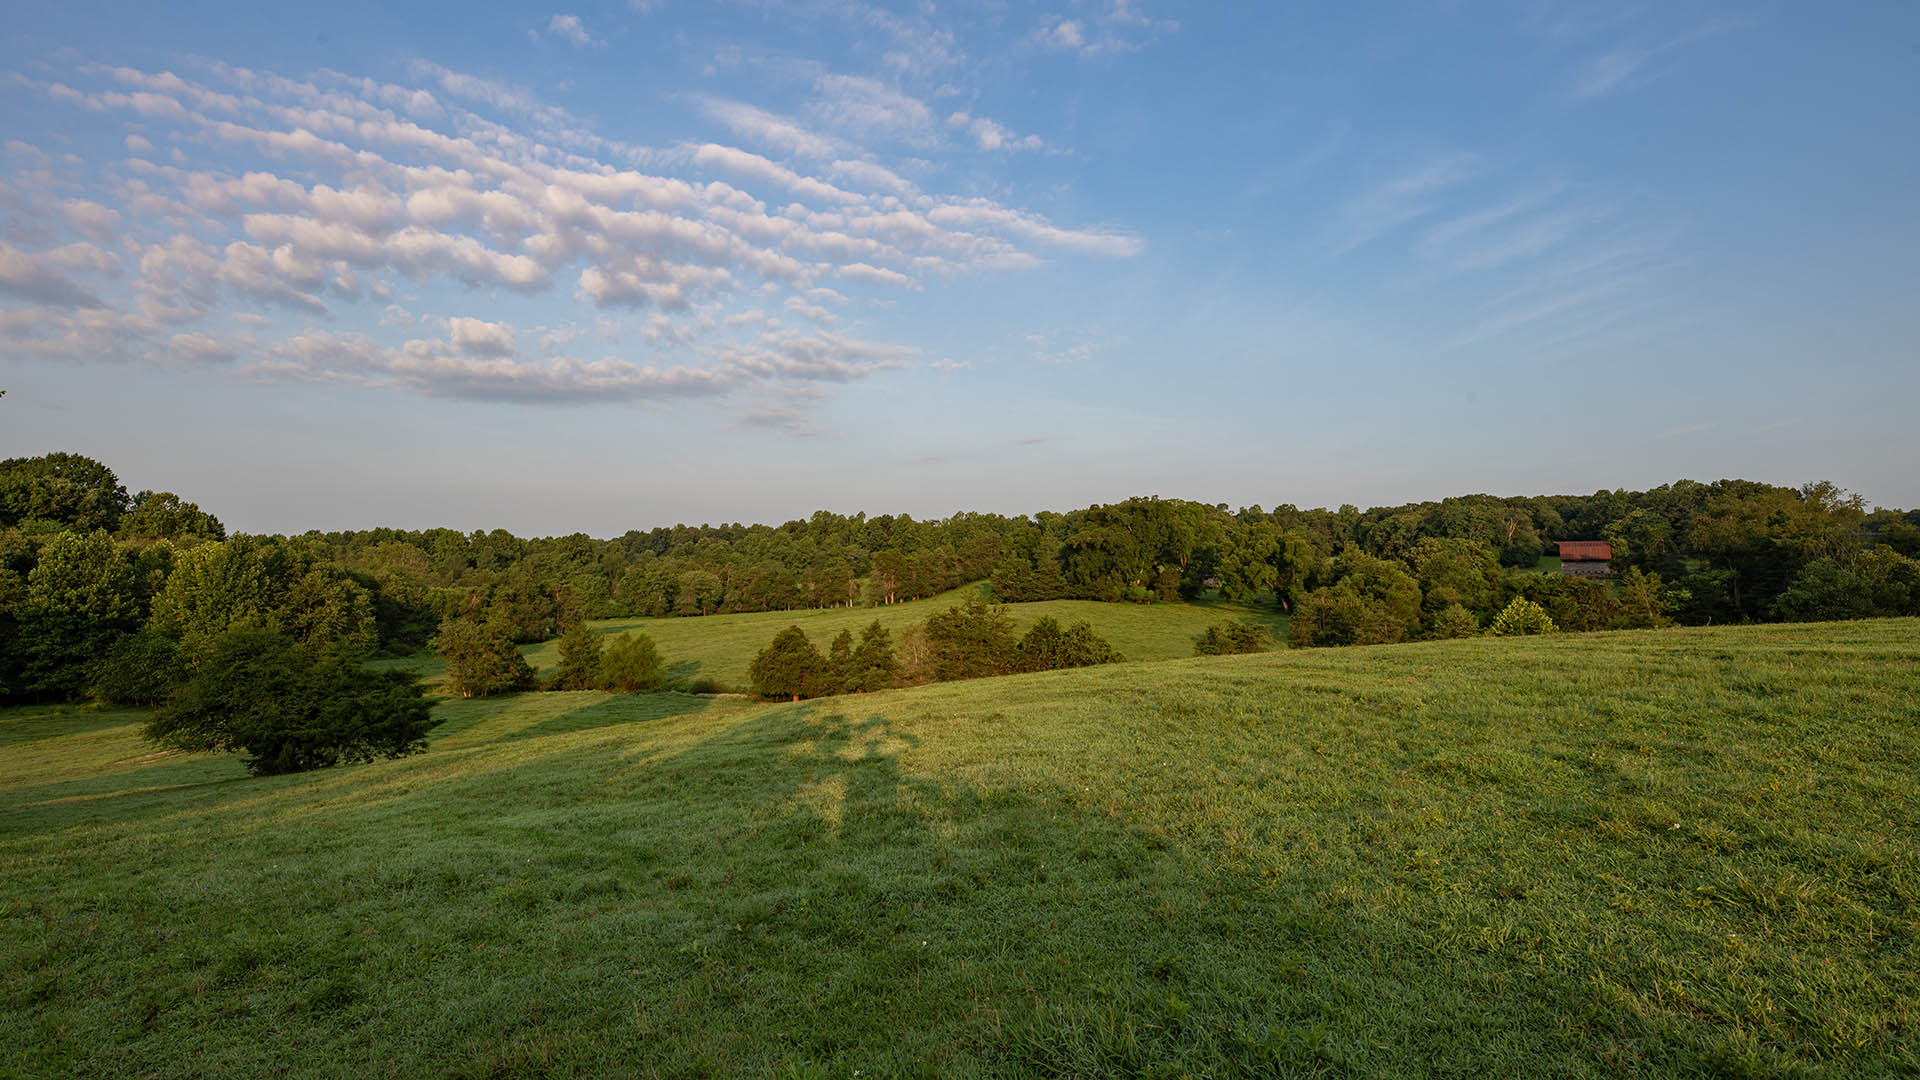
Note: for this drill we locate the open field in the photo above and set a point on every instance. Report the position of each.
(720, 647)
(1682, 852)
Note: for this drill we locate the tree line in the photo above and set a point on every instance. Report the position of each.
(122, 596)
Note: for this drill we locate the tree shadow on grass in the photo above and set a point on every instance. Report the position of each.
(616, 710)
(807, 892)
(34, 723)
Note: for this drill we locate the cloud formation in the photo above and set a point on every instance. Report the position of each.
(321, 197)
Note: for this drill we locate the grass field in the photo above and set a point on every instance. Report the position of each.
(720, 647)
(1666, 853)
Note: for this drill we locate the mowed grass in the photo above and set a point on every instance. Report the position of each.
(1667, 853)
(721, 647)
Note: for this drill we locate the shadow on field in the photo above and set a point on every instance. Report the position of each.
(620, 709)
(206, 781)
(19, 726)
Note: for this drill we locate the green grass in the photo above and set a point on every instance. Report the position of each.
(1666, 853)
(720, 647)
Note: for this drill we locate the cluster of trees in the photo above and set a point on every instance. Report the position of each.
(121, 596)
(1229, 639)
(244, 644)
(967, 641)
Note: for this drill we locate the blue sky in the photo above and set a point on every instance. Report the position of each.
(599, 267)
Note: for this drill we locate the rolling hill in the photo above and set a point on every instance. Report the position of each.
(1679, 852)
(720, 647)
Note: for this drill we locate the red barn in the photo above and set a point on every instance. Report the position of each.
(1586, 558)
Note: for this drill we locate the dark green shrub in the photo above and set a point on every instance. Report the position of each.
(789, 667)
(260, 695)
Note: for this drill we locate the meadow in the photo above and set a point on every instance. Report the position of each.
(1686, 852)
(720, 647)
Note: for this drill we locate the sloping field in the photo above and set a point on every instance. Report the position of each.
(1684, 852)
(720, 647)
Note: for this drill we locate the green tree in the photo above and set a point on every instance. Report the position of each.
(873, 665)
(970, 641)
(142, 668)
(213, 587)
(1370, 601)
(1643, 601)
(631, 663)
(839, 672)
(789, 667)
(324, 610)
(68, 489)
(580, 655)
(1225, 639)
(162, 515)
(481, 656)
(287, 710)
(79, 599)
(1522, 617)
(1454, 621)
(1046, 646)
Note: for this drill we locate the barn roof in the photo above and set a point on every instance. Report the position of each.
(1582, 550)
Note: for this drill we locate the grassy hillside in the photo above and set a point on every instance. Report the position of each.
(1685, 852)
(720, 647)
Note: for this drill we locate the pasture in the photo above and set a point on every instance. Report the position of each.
(720, 647)
(1679, 852)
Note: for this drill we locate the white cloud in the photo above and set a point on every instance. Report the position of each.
(572, 29)
(989, 135)
(867, 108)
(769, 129)
(316, 195)
(481, 338)
(1110, 28)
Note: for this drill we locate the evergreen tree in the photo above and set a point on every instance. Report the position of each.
(580, 654)
(839, 671)
(873, 666)
(789, 667)
(971, 641)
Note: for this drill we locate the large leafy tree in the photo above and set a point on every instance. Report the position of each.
(288, 710)
(79, 599)
(162, 515)
(481, 656)
(71, 490)
(214, 587)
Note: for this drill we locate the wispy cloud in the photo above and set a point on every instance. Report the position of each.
(1630, 66)
(1405, 198)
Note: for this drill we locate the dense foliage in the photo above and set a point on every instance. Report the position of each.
(85, 567)
(1228, 639)
(289, 710)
